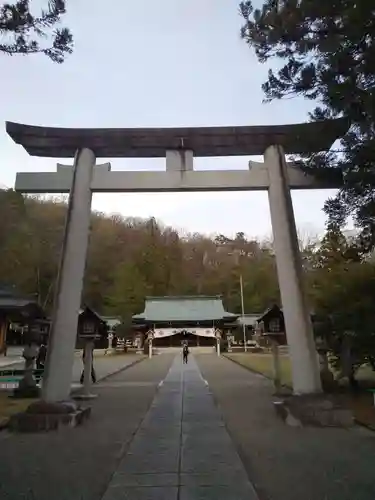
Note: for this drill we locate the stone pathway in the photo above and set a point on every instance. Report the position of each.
(288, 463)
(182, 449)
(78, 464)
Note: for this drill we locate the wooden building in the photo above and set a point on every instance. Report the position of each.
(91, 323)
(19, 309)
(174, 320)
(250, 322)
(271, 322)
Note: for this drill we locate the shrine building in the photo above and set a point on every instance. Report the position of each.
(174, 320)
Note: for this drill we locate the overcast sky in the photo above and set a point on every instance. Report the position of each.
(148, 63)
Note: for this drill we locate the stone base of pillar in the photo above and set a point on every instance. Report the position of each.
(314, 411)
(41, 416)
(83, 397)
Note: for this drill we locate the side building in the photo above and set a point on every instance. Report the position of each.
(174, 320)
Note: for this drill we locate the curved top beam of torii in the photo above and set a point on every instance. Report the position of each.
(154, 142)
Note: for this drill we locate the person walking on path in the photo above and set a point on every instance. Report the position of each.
(93, 374)
(41, 357)
(185, 354)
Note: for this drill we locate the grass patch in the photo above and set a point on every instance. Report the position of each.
(361, 403)
(10, 406)
(262, 363)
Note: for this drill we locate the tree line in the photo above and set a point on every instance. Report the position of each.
(130, 258)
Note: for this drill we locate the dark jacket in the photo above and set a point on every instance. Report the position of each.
(42, 353)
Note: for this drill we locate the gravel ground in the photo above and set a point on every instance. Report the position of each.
(287, 463)
(77, 464)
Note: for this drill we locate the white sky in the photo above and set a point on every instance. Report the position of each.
(152, 64)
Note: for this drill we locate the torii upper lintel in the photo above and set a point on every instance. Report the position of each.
(55, 142)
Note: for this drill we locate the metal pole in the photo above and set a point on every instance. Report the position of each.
(243, 315)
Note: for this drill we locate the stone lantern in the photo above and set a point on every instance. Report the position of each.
(276, 335)
(27, 387)
(150, 338)
(326, 376)
(88, 331)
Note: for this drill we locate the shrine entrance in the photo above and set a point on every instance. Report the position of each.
(184, 337)
(179, 146)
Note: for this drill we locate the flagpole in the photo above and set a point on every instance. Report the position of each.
(243, 315)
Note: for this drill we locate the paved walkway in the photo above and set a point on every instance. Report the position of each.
(156, 434)
(77, 464)
(182, 449)
(286, 463)
(13, 357)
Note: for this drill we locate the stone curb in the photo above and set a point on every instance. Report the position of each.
(130, 365)
(366, 426)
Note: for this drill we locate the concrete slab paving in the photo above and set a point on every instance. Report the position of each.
(142, 493)
(78, 464)
(182, 449)
(286, 462)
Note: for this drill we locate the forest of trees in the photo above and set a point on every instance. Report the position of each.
(325, 53)
(130, 258)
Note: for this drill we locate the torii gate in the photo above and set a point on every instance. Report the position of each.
(179, 146)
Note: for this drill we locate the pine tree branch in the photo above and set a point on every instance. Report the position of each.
(21, 30)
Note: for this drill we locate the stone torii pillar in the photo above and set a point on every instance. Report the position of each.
(69, 283)
(303, 354)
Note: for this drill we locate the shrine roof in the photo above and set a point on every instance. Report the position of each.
(248, 319)
(183, 308)
(12, 300)
(297, 138)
